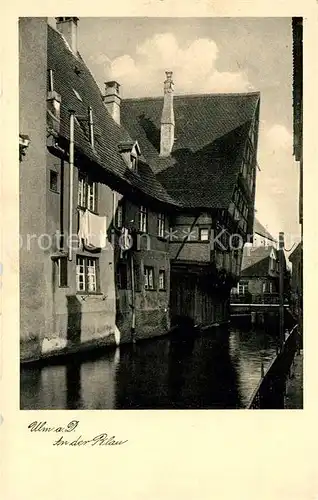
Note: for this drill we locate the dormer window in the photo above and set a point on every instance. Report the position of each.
(77, 95)
(130, 152)
(53, 105)
(134, 162)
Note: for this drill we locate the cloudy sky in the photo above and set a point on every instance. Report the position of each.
(211, 55)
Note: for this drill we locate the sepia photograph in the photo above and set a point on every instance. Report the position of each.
(161, 213)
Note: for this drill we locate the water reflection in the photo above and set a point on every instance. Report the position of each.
(249, 350)
(218, 369)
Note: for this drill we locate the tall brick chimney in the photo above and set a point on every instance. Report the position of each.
(167, 118)
(112, 100)
(68, 27)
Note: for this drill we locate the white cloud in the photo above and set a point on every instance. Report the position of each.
(123, 66)
(278, 180)
(279, 136)
(194, 66)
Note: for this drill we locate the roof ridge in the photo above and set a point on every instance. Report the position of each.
(214, 94)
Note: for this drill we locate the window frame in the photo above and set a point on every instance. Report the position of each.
(62, 283)
(122, 278)
(162, 273)
(149, 271)
(201, 229)
(56, 191)
(161, 224)
(86, 259)
(244, 285)
(84, 184)
(133, 162)
(143, 219)
(119, 219)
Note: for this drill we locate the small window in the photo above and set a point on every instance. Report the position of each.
(267, 287)
(148, 273)
(204, 234)
(91, 195)
(242, 287)
(119, 216)
(86, 274)
(54, 181)
(87, 193)
(77, 95)
(81, 191)
(133, 162)
(122, 276)
(161, 225)
(143, 219)
(62, 272)
(162, 280)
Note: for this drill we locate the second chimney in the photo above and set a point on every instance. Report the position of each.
(68, 27)
(167, 118)
(112, 100)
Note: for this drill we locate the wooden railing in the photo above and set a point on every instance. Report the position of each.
(265, 298)
(270, 391)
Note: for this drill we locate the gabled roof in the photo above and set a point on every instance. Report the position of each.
(210, 133)
(255, 260)
(78, 90)
(262, 231)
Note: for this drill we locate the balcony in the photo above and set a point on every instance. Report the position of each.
(248, 298)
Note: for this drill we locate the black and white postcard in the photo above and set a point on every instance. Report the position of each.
(153, 235)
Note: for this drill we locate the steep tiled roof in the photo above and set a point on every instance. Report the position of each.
(255, 261)
(210, 132)
(78, 90)
(296, 252)
(262, 231)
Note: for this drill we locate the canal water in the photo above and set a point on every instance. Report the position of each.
(219, 369)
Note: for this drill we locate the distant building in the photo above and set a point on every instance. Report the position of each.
(259, 280)
(262, 237)
(259, 274)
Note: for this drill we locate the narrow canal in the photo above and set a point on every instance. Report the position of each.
(218, 369)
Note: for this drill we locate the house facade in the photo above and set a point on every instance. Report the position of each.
(90, 206)
(296, 257)
(259, 277)
(127, 215)
(259, 274)
(203, 151)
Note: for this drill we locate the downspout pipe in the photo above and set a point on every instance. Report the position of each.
(133, 299)
(281, 288)
(71, 185)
